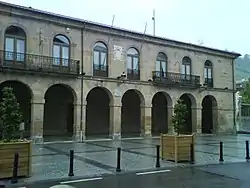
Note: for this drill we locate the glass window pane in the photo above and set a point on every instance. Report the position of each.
(129, 62)
(188, 71)
(56, 55)
(65, 56)
(9, 48)
(205, 72)
(163, 66)
(20, 49)
(183, 69)
(209, 75)
(103, 61)
(96, 58)
(158, 66)
(135, 63)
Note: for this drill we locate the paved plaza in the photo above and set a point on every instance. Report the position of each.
(98, 158)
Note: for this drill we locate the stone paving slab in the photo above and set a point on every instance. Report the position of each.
(240, 171)
(129, 161)
(77, 147)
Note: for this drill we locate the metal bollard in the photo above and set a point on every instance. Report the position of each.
(158, 165)
(221, 152)
(247, 150)
(15, 168)
(71, 163)
(118, 166)
(191, 154)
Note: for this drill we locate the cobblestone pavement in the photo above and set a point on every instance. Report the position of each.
(92, 158)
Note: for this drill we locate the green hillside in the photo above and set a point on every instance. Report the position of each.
(242, 67)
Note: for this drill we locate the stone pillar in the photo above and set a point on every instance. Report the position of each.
(146, 121)
(37, 113)
(197, 119)
(170, 114)
(79, 124)
(115, 122)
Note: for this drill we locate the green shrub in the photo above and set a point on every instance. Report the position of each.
(10, 116)
(179, 117)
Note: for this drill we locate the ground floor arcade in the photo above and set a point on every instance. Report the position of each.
(60, 115)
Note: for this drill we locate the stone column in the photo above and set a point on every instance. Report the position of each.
(79, 124)
(197, 119)
(37, 113)
(146, 127)
(170, 114)
(115, 122)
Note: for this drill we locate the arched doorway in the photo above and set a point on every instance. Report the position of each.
(59, 113)
(159, 116)
(98, 113)
(131, 114)
(209, 114)
(188, 99)
(23, 95)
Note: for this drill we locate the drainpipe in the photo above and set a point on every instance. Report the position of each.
(81, 116)
(234, 103)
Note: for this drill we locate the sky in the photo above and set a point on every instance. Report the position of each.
(220, 24)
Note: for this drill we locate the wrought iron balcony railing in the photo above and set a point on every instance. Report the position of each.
(176, 79)
(14, 61)
(209, 82)
(100, 70)
(133, 74)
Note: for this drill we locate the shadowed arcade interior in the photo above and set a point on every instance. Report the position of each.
(187, 100)
(23, 95)
(131, 114)
(58, 113)
(159, 114)
(97, 113)
(209, 114)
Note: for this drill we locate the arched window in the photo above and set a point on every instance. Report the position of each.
(133, 64)
(100, 59)
(15, 44)
(61, 50)
(161, 65)
(186, 68)
(208, 73)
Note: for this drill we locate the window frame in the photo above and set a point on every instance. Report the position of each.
(186, 62)
(100, 48)
(161, 61)
(61, 45)
(133, 72)
(15, 39)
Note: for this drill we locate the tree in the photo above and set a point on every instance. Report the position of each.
(10, 115)
(179, 117)
(245, 93)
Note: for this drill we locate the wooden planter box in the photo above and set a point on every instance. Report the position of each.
(177, 147)
(7, 152)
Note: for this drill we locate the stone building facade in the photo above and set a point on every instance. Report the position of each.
(77, 78)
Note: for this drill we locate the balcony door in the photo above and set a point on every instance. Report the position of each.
(186, 68)
(100, 60)
(61, 51)
(133, 66)
(161, 65)
(15, 45)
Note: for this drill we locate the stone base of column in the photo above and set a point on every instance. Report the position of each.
(79, 137)
(199, 131)
(116, 136)
(147, 135)
(37, 139)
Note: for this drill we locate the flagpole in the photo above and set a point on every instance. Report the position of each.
(153, 18)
